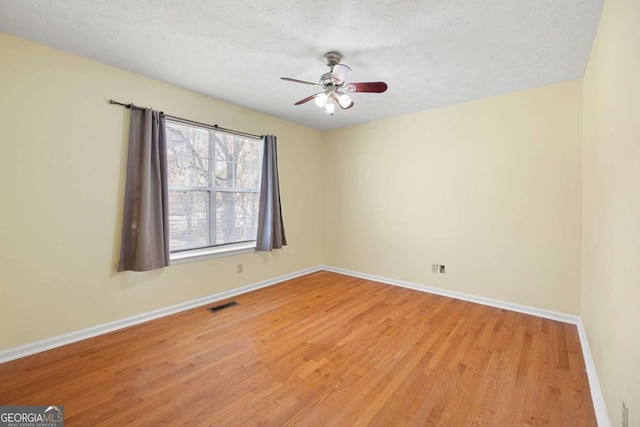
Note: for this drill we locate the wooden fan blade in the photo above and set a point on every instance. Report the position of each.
(299, 81)
(374, 87)
(307, 99)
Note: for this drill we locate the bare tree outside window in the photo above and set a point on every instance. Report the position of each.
(214, 185)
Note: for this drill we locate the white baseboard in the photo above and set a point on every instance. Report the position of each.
(60, 340)
(540, 312)
(594, 385)
(599, 406)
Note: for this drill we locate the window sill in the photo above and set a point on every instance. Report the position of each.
(208, 253)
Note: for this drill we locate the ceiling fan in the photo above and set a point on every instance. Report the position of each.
(332, 83)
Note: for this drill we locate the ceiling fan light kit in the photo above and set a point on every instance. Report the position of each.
(331, 84)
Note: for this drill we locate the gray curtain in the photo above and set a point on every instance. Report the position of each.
(145, 225)
(270, 225)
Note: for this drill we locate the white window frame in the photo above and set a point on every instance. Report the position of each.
(199, 254)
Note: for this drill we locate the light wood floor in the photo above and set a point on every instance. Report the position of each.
(324, 349)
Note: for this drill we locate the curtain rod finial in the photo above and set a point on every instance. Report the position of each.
(111, 101)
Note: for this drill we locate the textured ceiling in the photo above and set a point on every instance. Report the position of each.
(431, 53)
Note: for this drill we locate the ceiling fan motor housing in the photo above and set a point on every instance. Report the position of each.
(329, 79)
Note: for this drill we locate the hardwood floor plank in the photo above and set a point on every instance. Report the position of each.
(323, 349)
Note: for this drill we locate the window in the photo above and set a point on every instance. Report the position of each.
(214, 188)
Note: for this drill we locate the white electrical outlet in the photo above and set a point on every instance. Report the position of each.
(434, 268)
(625, 414)
(239, 268)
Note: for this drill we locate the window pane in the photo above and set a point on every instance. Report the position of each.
(250, 152)
(226, 146)
(224, 174)
(247, 176)
(237, 162)
(187, 155)
(236, 217)
(204, 163)
(188, 219)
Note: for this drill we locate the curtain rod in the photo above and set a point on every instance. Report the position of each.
(216, 127)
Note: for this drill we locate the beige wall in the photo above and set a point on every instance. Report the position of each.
(61, 184)
(611, 207)
(489, 188)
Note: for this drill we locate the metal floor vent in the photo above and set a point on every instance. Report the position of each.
(222, 306)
